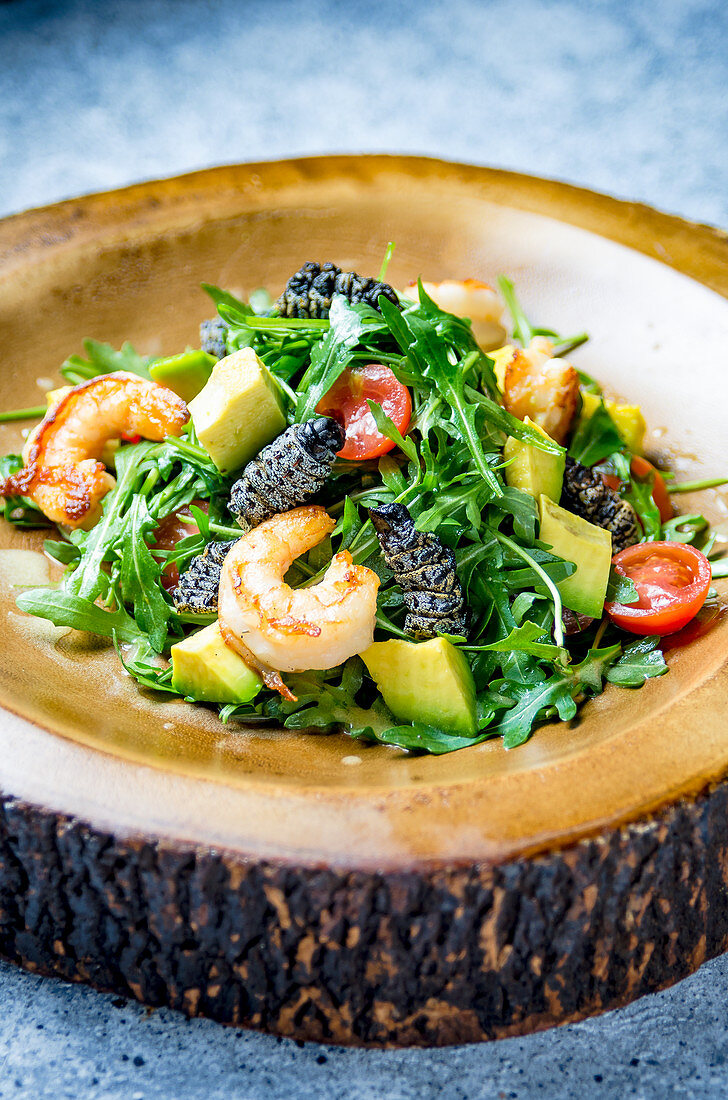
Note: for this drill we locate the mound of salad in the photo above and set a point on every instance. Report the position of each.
(362, 510)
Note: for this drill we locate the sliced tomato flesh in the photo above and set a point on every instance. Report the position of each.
(672, 582)
(346, 402)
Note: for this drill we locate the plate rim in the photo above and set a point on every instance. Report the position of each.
(59, 225)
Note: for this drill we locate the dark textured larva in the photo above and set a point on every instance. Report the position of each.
(425, 571)
(213, 335)
(585, 494)
(288, 472)
(197, 588)
(308, 293)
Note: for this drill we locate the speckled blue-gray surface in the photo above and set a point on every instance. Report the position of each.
(628, 98)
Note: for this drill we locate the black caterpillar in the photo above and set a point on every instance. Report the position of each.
(197, 588)
(425, 571)
(585, 494)
(213, 336)
(308, 293)
(287, 472)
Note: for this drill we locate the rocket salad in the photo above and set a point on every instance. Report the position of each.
(341, 512)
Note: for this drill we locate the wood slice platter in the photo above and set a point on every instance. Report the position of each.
(307, 884)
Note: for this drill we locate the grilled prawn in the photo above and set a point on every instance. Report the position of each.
(289, 471)
(425, 571)
(62, 471)
(543, 387)
(276, 628)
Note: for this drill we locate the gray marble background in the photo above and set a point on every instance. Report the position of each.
(625, 97)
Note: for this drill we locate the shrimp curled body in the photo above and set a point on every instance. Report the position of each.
(543, 387)
(288, 629)
(62, 471)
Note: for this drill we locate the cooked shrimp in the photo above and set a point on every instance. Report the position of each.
(468, 298)
(544, 388)
(288, 629)
(63, 473)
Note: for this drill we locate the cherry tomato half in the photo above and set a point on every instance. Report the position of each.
(346, 402)
(168, 533)
(672, 580)
(641, 468)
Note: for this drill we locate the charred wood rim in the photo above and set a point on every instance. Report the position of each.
(423, 957)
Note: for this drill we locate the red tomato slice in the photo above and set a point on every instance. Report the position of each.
(168, 534)
(641, 468)
(672, 580)
(346, 402)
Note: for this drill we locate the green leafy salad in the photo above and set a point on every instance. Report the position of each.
(517, 550)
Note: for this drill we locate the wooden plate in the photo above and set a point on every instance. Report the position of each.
(307, 884)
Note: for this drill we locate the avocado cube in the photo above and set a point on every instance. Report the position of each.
(590, 549)
(536, 472)
(186, 374)
(428, 682)
(238, 411)
(206, 669)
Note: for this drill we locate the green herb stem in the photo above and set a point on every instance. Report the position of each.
(696, 486)
(35, 413)
(555, 594)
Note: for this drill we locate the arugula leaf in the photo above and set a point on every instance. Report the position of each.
(640, 661)
(620, 589)
(237, 308)
(517, 724)
(140, 574)
(347, 324)
(88, 580)
(64, 609)
(638, 493)
(351, 523)
(148, 675)
(418, 737)
(103, 359)
(63, 552)
(527, 638)
(595, 438)
(428, 354)
(388, 428)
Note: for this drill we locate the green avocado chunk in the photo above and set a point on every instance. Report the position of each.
(536, 472)
(186, 374)
(205, 669)
(238, 411)
(590, 549)
(428, 682)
